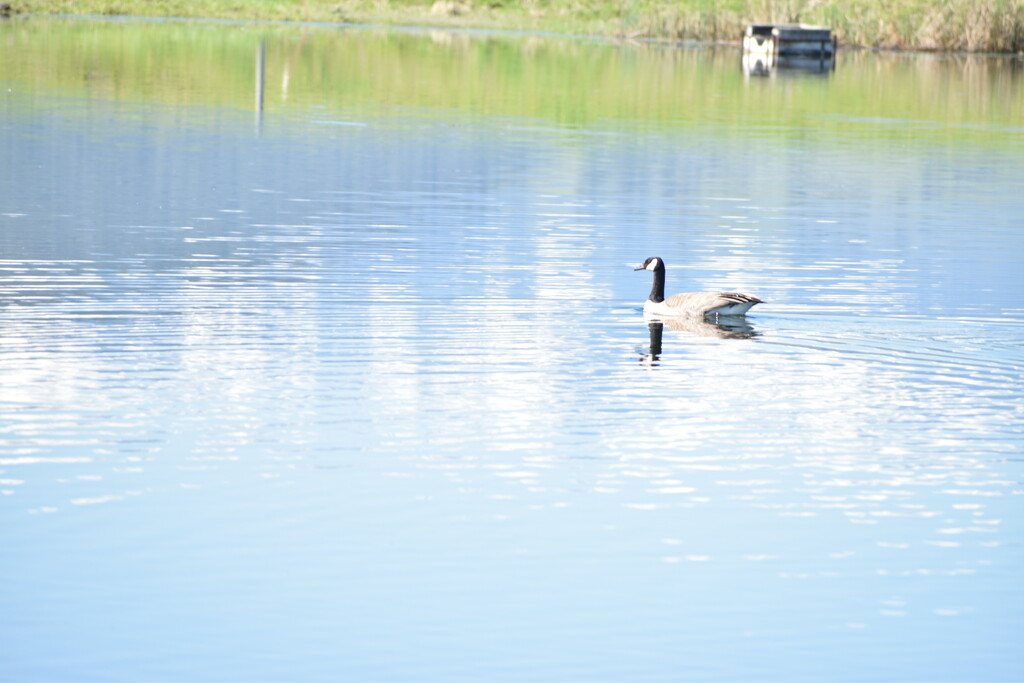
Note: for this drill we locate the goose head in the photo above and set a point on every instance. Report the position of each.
(653, 263)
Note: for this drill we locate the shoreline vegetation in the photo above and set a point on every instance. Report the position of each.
(993, 26)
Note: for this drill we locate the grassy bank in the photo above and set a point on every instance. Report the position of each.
(963, 25)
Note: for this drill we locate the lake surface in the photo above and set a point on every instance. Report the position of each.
(356, 384)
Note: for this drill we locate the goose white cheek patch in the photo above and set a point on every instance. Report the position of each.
(653, 264)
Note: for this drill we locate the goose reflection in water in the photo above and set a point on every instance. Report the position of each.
(724, 327)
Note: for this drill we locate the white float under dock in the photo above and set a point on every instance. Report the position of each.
(789, 45)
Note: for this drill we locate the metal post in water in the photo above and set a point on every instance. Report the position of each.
(261, 51)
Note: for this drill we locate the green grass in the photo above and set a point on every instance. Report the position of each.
(377, 72)
(961, 25)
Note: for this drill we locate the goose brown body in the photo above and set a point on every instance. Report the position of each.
(691, 303)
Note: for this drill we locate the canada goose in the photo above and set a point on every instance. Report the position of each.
(691, 303)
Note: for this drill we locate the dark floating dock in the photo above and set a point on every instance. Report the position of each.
(767, 47)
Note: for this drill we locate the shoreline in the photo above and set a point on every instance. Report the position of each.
(950, 26)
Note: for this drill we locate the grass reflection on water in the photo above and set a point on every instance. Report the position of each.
(947, 98)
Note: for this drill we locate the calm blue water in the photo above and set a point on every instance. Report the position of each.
(377, 401)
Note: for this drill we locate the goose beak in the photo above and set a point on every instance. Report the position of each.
(638, 268)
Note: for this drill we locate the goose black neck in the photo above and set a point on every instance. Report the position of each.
(658, 290)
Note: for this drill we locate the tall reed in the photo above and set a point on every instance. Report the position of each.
(968, 25)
